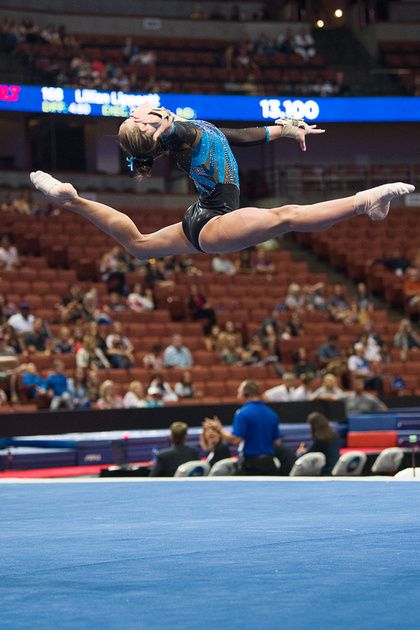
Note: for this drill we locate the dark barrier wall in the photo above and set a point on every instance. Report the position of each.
(51, 423)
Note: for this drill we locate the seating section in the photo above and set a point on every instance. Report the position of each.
(247, 301)
(403, 58)
(186, 65)
(356, 245)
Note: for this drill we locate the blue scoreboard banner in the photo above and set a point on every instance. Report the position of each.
(89, 102)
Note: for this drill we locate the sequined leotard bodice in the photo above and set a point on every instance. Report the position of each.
(203, 151)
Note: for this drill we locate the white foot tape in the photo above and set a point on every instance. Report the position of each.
(375, 201)
(52, 187)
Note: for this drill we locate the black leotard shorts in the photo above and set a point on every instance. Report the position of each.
(223, 199)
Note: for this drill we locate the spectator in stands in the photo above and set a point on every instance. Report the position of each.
(64, 341)
(7, 308)
(329, 352)
(324, 440)
(412, 291)
(160, 388)
(10, 342)
(116, 303)
(286, 42)
(358, 365)
(301, 363)
(168, 460)
(108, 396)
(283, 392)
(140, 300)
(56, 385)
(77, 388)
(185, 388)
(158, 274)
(118, 354)
(222, 264)
(315, 298)
(270, 331)
(211, 441)
(329, 389)
(92, 383)
(244, 264)
(340, 308)
(304, 44)
(397, 262)
(363, 299)
(293, 327)
(263, 264)
(360, 401)
(200, 309)
(134, 398)
(32, 381)
(257, 426)
(90, 354)
(177, 354)
(39, 340)
(9, 257)
(154, 360)
(23, 321)
(71, 308)
(406, 337)
(231, 334)
(304, 390)
(295, 298)
(230, 353)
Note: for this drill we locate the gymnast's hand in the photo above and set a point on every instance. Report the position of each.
(297, 129)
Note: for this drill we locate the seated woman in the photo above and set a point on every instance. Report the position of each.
(211, 442)
(134, 398)
(324, 440)
(185, 388)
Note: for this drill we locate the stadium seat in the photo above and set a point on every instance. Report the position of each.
(225, 467)
(350, 464)
(388, 461)
(194, 468)
(309, 465)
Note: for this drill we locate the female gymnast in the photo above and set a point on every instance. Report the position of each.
(215, 223)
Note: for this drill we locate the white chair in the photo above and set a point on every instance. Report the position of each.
(194, 468)
(388, 461)
(309, 465)
(225, 467)
(350, 464)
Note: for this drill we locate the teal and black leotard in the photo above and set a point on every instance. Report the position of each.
(203, 152)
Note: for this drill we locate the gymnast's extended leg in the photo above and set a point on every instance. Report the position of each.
(169, 240)
(249, 226)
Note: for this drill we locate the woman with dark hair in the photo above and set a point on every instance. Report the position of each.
(215, 223)
(325, 440)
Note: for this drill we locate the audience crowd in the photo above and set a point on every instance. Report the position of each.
(86, 327)
(66, 60)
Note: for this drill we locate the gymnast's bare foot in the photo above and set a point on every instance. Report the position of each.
(52, 188)
(375, 201)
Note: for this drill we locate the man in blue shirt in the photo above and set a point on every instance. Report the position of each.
(257, 426)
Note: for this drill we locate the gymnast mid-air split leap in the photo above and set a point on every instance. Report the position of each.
(215, 223)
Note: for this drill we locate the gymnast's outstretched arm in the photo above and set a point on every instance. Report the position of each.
(283, 128)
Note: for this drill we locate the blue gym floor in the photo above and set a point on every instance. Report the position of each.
(199, 554)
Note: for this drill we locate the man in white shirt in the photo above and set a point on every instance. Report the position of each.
(283, 392)
(23, 321)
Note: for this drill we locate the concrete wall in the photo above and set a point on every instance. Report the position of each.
(161, 8)
(158, 27)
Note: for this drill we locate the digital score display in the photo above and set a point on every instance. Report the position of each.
(116, 104)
